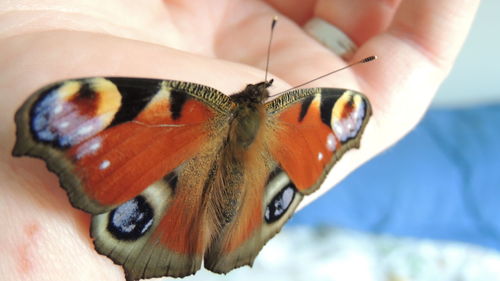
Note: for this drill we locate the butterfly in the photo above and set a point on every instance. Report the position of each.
(175, 173)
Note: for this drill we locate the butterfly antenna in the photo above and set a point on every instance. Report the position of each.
(273, 24)
(365, 60)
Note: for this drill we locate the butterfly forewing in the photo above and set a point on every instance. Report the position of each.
(109, 138)
(324, 123)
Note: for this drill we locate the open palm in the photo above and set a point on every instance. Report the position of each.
(217, 43)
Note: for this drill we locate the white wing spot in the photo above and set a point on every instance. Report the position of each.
(85, 130)
(88, 148)
(57, 109)
(95, 146)
(331, 142)
(63, 125)
(320, 156)
(104, 165)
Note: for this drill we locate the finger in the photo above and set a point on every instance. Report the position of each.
(416, 53)
(425, 37)
(359, 19)
(300, 11)
(436, 29)
(295, 56)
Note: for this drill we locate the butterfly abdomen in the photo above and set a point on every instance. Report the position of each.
(248, 115)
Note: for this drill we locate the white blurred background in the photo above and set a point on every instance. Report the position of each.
(475, 79)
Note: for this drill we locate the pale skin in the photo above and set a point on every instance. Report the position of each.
(218, 43)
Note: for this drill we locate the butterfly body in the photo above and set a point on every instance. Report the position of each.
(176, 173)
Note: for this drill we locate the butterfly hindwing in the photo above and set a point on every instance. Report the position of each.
(165, 230)
(266, 206)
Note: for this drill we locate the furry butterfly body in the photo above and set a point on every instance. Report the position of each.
(176, 173)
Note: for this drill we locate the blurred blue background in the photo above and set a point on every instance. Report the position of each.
(442, 181)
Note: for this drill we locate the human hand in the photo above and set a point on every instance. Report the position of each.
(218, 43)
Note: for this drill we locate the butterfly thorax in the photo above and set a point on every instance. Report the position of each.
(247, 114)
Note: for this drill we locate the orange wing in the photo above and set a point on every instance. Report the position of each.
(110, 138)
(315, 128)
(306, 133)
(135, 153)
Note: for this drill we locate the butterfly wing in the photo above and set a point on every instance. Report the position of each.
(136, 153)
(307, 131)
(165, 230)
(268, 202)
(316, 127)
(132, 152)
(101, 135)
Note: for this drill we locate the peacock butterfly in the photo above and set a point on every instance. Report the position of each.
(175, 173)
